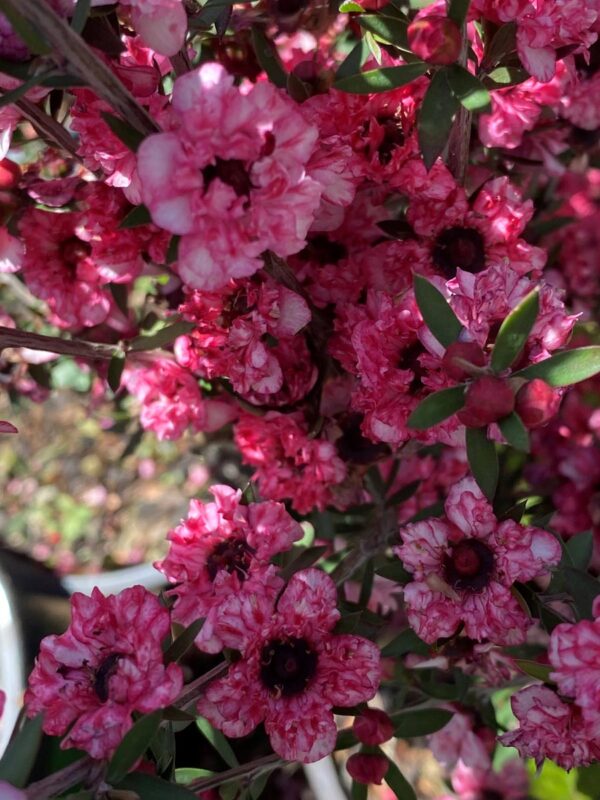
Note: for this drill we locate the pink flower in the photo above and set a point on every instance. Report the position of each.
(510, 783)
(464, 566)
(290, 464)
(223, 549)
(231, 178)
(7, 427)
(458, 742)
(9, 792)
(550, 728)
(574, 652)
(293, 670)
(109, 663)
(162, 24)
(171, 400)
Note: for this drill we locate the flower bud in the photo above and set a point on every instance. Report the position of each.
(436, 40)
(467, 351)
(367, 767)
(536, 403)
(10, 174)
(487, 400)
(373, 727)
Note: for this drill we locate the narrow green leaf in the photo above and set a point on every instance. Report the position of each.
(437, 407)
(515, 433)
(436, 116)
(345, 739)
(189, 774)
(398, 783)
(139, 215)
(130, 136)
(579, 549)
(457, 11)
(584, 589)
(80, 15)
(514, 331)
(468, 89)
(359, 791)
(63, 81)
(483, 461)
(18, 759)
(150, 788)
(534, 669)
(502, 44)
(349, 7)
(115, 371)
(566, 368)
(353, 61)
(404, 494)
(218, 741)
(258, 785)
(120, 294)
(405, 642)
(381, 80)
(135, 743)
(163, 337)
(173, 249)
(422, 722)
(268, 57)
(183, 642)
(26, 31)
(436, 312)
(7, 98)
(394, 571)
(308, 557)
(503, 77)
(390, 30)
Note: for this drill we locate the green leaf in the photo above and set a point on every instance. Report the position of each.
(268, 57)
(80, 15)
(436, 312)
(437, 407)
(173, 250)
(436, 116)
(566, 368)
(457, 11)
(381, 80)
(150, 788)
(349, 7)
(183, 642)
(30, 35)
(405, 642)
(534, 669)
(308, 557)
(18, 759)
(258, 785)
(189, 774)
(404, 494)
(345, 739)
(468, 89)
(139, 215)
(502, 44)
(583, 588)
(515, 433)
(394, 571)
(7, 98)
(503, 77)
(135, 743)
(514, 331)
(353, 61)
(483, 461)
(115, 371)
(218, 741)
(579, 549)
(390, 30)
(398, 783)
(410, 724)
(130, 136)
(163, 337)
(359, 791)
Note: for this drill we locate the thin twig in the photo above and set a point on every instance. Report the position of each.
(191, 693)
(381, 536)
(69, 46)
(47, 127)
(60, 781)
(244, 770)
(460, 135)
(12, 337)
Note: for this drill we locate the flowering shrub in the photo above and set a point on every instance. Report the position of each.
(358, 242)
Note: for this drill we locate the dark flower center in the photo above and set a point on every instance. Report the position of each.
(354, 447)
(73, 250)
(393, 136)
(232, 555)
(490, 794)
(469, 565)
(459, 248)
(231, 171)
(323, 250)
(287, 666)
(102, 675)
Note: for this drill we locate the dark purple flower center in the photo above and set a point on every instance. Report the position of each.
(469, 565)
(73, 250)
(323, 250)
(103, 674)
(393, 136)
(231, 555)
(287, 666)
(459, 248)
(231, 171)
(354, 447)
